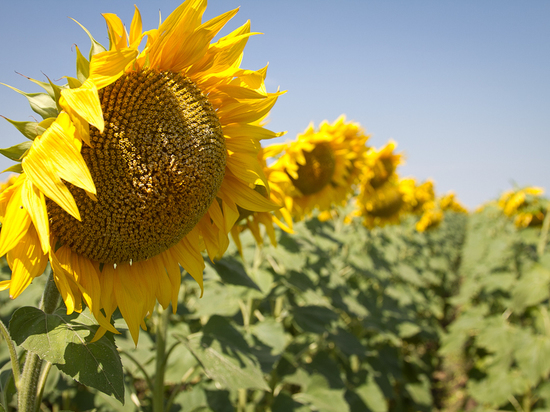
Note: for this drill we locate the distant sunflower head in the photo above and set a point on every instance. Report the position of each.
(140, 162)
(448, 202)
(526, 206)
(416, 196)
(321, 166)
(431, 217)
(381, 207)
(382, 165)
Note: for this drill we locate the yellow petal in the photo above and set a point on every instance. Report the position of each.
(85, 102)
(135, 29)
(15, 224)
(187, 253)
(246, 197)
(5, 284)
(117, 33)
(35, 204)
(62, 280)
(130, 297)
(174, 274)
(26, 261)
(107, 67)
(86, 277)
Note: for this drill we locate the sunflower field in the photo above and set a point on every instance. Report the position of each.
(158, 254)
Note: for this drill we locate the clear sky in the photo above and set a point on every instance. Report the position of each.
(462, 86)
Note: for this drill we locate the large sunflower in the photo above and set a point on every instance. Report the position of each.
(141, 162)
(321, 167)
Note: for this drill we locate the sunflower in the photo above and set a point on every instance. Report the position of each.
(525, 205)
(381, 166)
(252, 220)
(431, 217)
(141, 162)
(417, 196)
(382, 206)
(321, 167)
(449, 202)
(433, 211)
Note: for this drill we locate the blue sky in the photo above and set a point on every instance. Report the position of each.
(462, 86)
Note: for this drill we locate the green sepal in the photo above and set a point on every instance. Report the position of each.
(29, 129)
(16, 168)
(16, 152)
(53, 90)
(73, 83)
(82, 66)
(57, 93)
(96, 46)
(41, 103)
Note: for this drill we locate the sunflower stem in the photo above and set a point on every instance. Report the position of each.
(28, 398)
(544, 233)
(158, 391)
(13, 354)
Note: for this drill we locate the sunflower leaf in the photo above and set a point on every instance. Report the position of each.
(41, 103)
(65, 341)
(225, 356)
(29, 129)
(16, 152)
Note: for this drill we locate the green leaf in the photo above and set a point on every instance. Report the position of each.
(323, 399)
(232, 272)
(16, 152)
(226, 357)
(532, 288)
(29, 129)
(371, 394)
(41, 103)
(316, 319)
(64, 340)
(533, 356)
(270, 332)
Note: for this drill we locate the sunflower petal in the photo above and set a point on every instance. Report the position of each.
(26, 261)
(118, 38)
(35, 204)
(246, 197)
(15, 224)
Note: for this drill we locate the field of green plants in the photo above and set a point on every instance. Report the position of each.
(335, 318)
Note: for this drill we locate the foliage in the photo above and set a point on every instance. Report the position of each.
(501, 334)
(336, 318)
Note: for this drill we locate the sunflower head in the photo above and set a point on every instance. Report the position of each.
(431, 218)
(141, 161)
(449, 202)
(381, 207)
(416, 196)
(321, 166)
(382, 164)
(526, 206)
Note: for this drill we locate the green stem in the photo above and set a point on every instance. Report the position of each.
(158, 391)
(544, 233)
(13, 354)
(27, 398)
(141, 368)
(42, 383)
